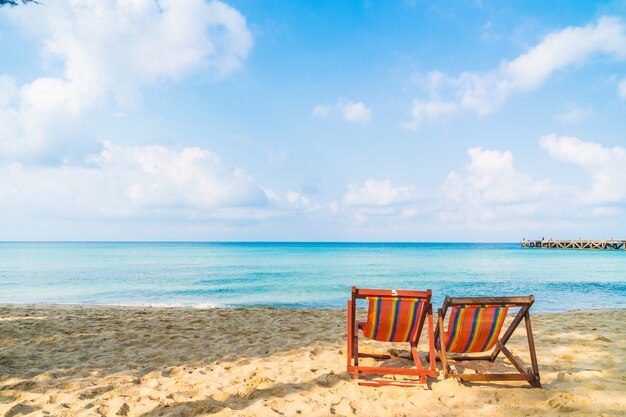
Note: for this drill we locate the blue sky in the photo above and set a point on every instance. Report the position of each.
(332, 121)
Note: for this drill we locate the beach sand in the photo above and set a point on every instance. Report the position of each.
(133, 361)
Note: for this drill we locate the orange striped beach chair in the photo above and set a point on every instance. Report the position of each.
(392, 316)
(474, 328)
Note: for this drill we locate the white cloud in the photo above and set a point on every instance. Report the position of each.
(606, 166)
(621, 89)
(297, 199)
(8, 90)
(354, 112)
(425, 111)
(138, 182)
(573, 114)
(123, 44)
(350, 111)
(492, 194)
(492, 179)
(572, 45)
(290, 202)
(110, 47)
(484, 93)
(322, 111)
(378, 193)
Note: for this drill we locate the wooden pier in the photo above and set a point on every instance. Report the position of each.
(576, 244)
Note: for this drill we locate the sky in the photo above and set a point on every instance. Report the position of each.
(198, 120)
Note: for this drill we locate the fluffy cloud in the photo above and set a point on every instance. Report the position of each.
(484, 93)
(297, 200)
(382, 200)
(378, 193)
(348, 110)
(124, 43)
(606, 166)
(493, 193)
(355, 112)
(424, 111)
(291, 202)
(492, 180)
(112, 47)
(138, 181)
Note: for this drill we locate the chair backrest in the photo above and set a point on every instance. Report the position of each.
(394, 315)
(475, 323)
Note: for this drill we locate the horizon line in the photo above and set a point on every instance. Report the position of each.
(299, 241)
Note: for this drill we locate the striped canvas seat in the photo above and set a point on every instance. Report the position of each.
(475, 325)
(474, 328)
(392, 316)
(392, 319)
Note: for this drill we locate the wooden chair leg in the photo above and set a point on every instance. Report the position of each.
(507, 334)
(350, 335)
(442, 347)
(352, 348)
(355, 356)
(431, 341)
(511, 358)
(532, 377)
(416, 357)
(533, 353)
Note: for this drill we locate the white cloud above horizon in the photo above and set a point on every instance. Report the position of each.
(193, 184)
(110, 48)
(605, 166)
(493, 193)
(355, 111)
(130, 182)
(378, 193)
(142, 114)
(485, 92)
(491, 190)
(490, 193)
(428, 111)
(350, 111)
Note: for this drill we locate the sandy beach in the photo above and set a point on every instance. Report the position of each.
(135, 361)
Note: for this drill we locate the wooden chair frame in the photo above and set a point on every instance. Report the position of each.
(353, 340)
(531, 375)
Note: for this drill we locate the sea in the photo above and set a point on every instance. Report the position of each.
(302, 275)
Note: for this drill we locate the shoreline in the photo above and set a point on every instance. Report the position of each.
(201, 307)
(84, 360)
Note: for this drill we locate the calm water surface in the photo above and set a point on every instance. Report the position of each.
(303, 274)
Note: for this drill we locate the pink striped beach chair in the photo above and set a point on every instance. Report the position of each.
(474, 327)
(392, 316)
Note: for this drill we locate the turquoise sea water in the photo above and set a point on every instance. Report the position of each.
(302, 274)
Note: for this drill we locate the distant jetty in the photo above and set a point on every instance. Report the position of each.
(575, 244)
